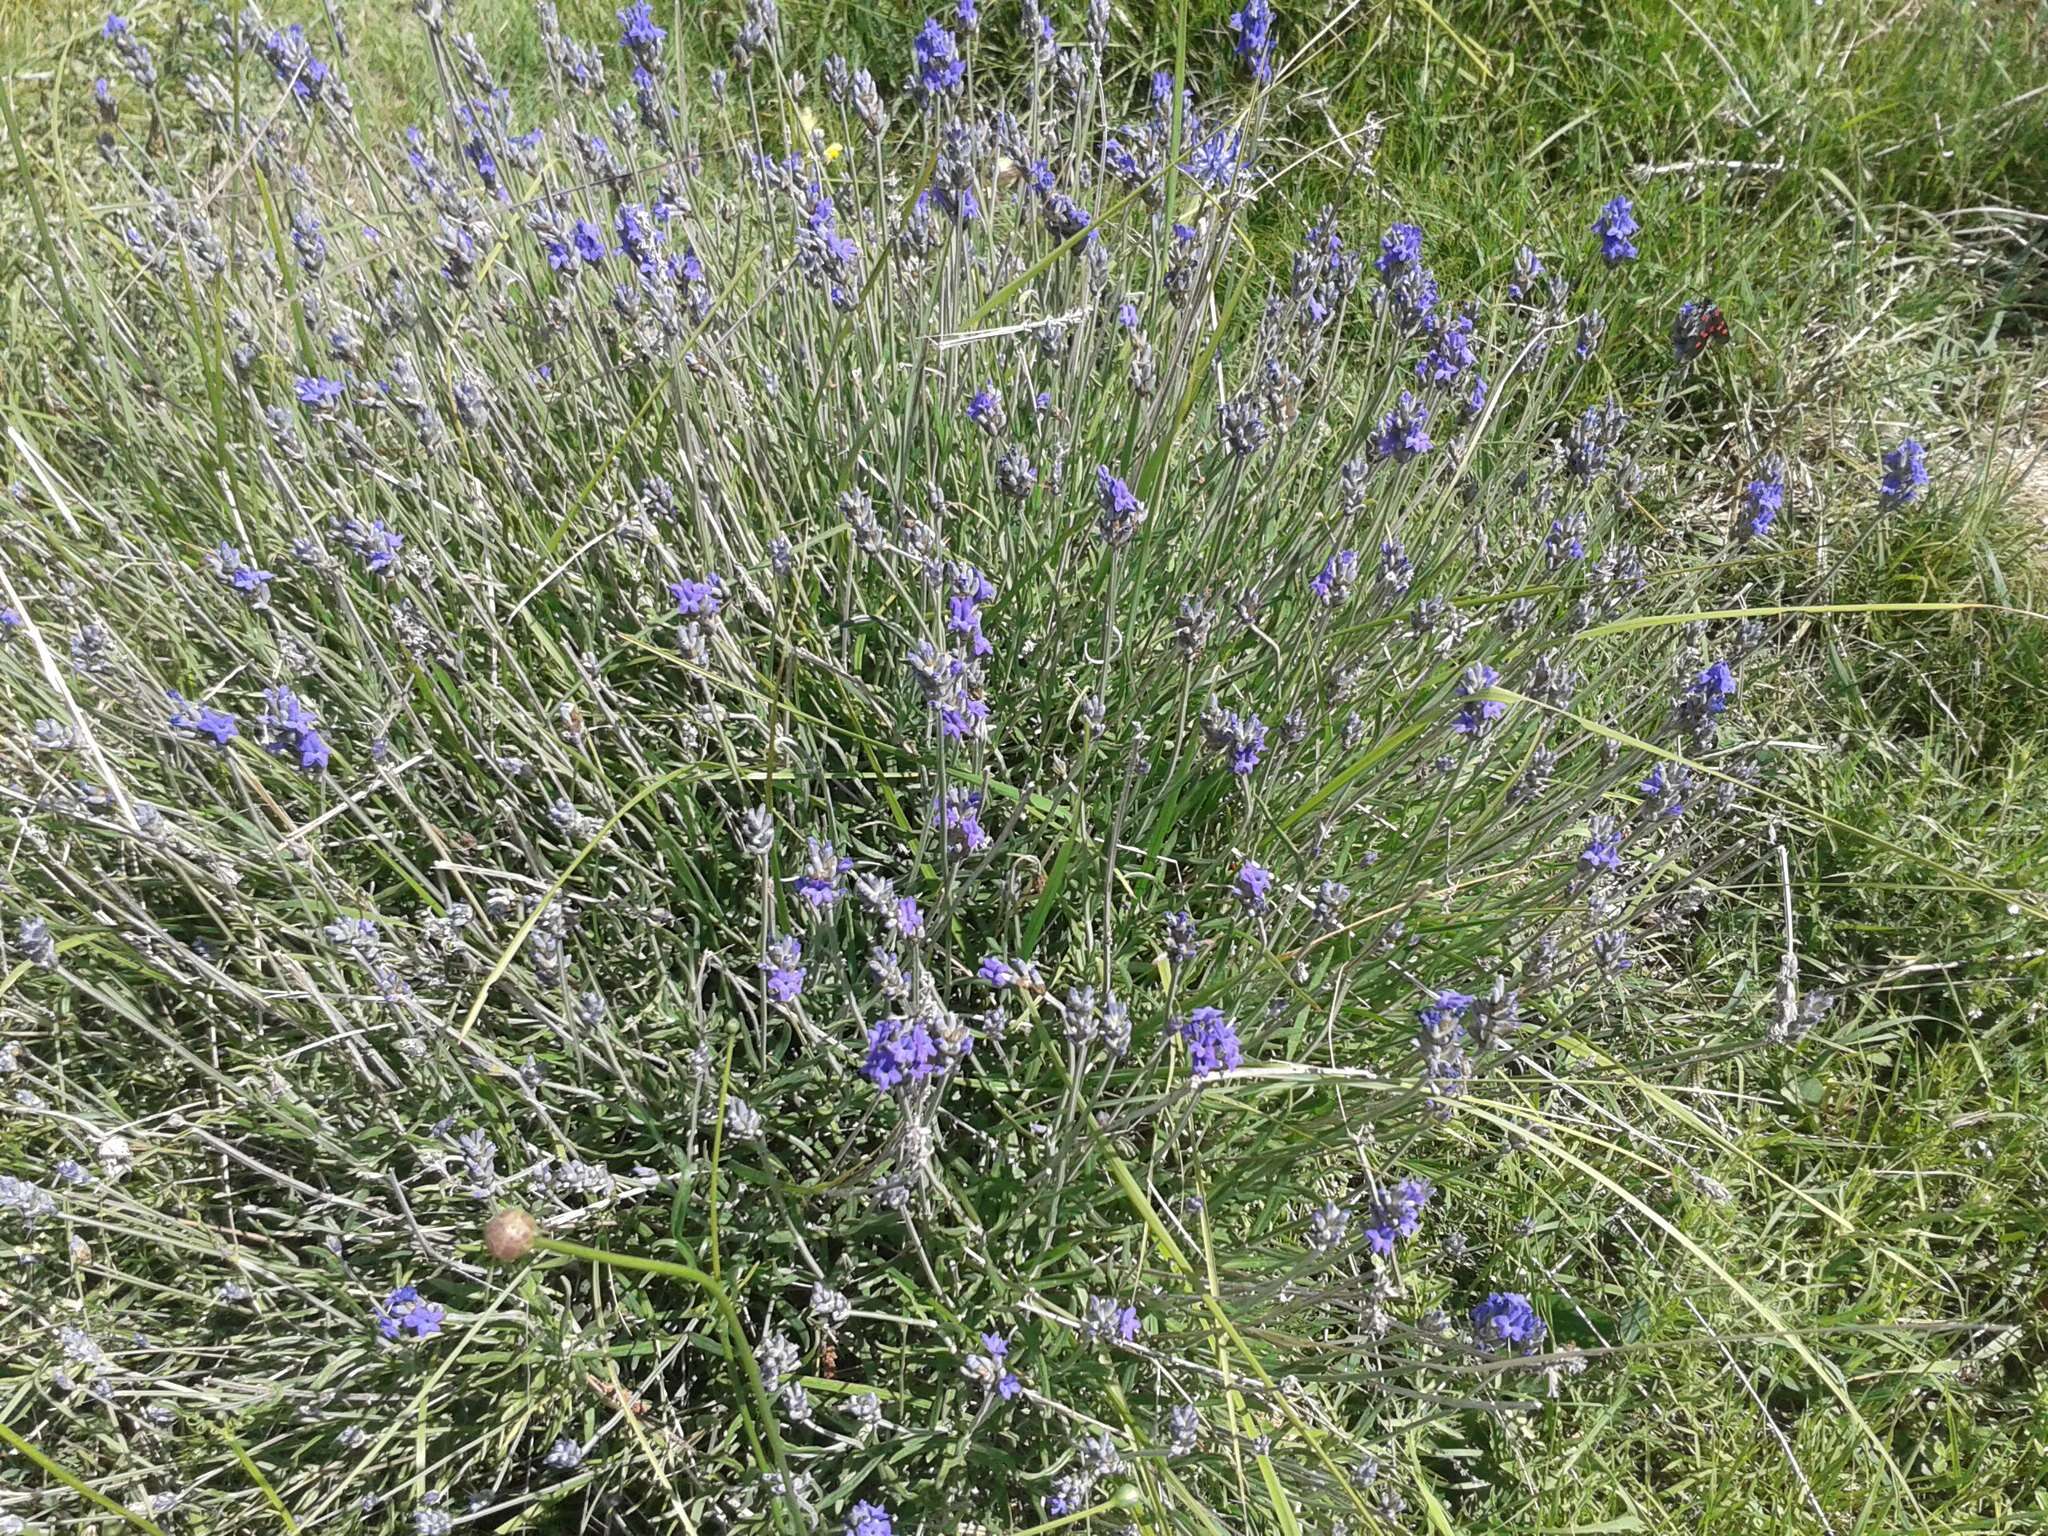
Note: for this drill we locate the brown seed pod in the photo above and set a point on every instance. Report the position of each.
(510, 1236)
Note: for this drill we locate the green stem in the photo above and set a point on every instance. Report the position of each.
(78, 1485)
(736, 1336)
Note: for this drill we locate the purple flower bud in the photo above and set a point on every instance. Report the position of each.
(1400, 251)
(1905, 475)
(1252, 29)
(1404, 431)
(405, 1312)
(1254, 885)
(216, 725)
(1211, 1041)
(1615, 225)
(699, 598)
(1507, 1318)
(784, 970)
(318, 394)
(938, 68)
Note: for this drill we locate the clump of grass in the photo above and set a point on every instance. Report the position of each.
(1076, 881)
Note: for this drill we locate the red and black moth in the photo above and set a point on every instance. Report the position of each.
(1708, 325)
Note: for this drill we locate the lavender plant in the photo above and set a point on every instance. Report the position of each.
(994, 814)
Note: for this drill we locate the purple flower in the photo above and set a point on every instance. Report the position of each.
(1404, 431)
(823, 254)
(699, 599)
(951, 686)
(1122, 513)
(938, 65)
(1603, 846)
(988, 1368)
(905, 1051)
(1615, 224)
(1476, 716)
(1016, 475)
(1475, 399)
(956, 199)
(823, 880)
(1665, 791)
(638, 240)
(1450, 355)
(134, 54)
(1905, 474)
(1714, 687)
(1397, 571)
(1440, 1016)
(404, 1311)
(1066, 219)
(785, 972)
(1400, 251)
(1333, 586)
(216, 725)
(1323, 272)
(1243, 737)
(1216, 160)
(1327, 1225)
(478, 152)
(1507, 1318)
(292, 729)
(869, 1520)
(1254, 885)
(998, 972)
(1240, 426)
(1397, 1214)
(1592, 326)
(227, 564)
(958, 815)
(318, 394)
(963, 608)
(899, 1051)
(1763, 499)
(1412, 299)
(641, 36)
(1528, 267)
(1563, 542)
(1212, 1042)
(291, 61)
(1593, 439)
(1123, 164)
(310, 244)
(373, 543)
(587, 240)
(985, 409)
(907, 918)
(1253, 27)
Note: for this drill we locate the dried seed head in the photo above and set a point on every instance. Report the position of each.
(510, 1236)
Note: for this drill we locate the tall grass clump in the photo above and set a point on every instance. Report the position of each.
(1004, 822)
